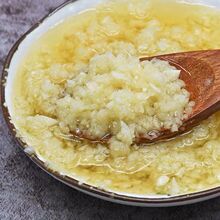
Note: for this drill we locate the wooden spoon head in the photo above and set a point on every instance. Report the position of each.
(200, 70)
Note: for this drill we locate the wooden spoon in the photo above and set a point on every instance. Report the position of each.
(200, 70)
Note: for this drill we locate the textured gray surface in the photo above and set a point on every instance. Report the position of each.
(26, 192)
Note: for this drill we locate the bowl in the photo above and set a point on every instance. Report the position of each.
(13, 60)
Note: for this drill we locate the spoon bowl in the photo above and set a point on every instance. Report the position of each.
(200, 70)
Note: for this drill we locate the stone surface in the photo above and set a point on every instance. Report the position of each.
(26, 192)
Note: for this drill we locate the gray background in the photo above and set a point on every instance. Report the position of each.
(26, 192)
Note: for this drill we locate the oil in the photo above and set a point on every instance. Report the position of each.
(150, 28)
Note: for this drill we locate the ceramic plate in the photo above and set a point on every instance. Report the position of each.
(12, 62)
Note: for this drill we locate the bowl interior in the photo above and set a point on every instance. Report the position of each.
(55, 18)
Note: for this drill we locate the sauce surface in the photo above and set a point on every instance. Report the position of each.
(143, 28)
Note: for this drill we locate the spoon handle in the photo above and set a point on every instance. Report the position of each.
(200, 70)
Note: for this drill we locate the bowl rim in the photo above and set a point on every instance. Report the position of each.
(86, 188)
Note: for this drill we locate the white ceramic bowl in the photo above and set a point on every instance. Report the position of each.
(13, 60)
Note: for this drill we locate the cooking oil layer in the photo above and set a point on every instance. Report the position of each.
(132, 27)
